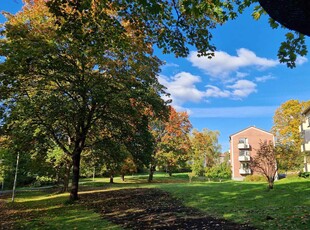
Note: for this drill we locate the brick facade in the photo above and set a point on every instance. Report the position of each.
(241, 153)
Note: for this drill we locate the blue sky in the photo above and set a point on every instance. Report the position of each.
(241, 86)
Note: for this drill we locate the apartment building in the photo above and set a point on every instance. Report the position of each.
(243, 146)
(304, 129)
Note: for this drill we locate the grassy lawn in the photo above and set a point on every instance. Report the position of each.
(39, 210)
(287, 206)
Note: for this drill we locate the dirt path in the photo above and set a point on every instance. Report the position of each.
(151, 209)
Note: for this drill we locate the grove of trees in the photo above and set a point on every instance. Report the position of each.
(78, 79)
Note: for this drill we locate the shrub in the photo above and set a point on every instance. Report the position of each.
(304, 174)
(254, 178)
(221, 171)
(43, 180)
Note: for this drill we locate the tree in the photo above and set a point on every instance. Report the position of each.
(286, 121)
(128, 166)
(265, 162)
(172, 25)
(173, 149)
(175, 23)
(205, 150)
(79, 75)
(171, 141)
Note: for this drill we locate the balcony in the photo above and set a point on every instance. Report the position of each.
(245, 171)
(244, 158)
(304, 126)
(305, 147)
(243, 146)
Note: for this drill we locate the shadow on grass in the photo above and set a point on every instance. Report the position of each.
(146, 208)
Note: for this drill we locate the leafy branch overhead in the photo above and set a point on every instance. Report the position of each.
(293, 45)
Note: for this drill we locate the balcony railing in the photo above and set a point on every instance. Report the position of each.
(245, 171)
(243, 146)
(305, 147)
(244, 158)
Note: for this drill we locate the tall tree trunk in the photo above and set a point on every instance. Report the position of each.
(123, 177)
(151, 173)
(111, 179)
(76, 157)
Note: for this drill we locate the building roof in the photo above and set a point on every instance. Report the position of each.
(306, 110)
(251, 127)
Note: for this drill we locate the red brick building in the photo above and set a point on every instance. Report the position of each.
(243, 146)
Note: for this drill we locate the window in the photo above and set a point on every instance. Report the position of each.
(244, 166)
(308, 120)
(244, 153)
(242, 140)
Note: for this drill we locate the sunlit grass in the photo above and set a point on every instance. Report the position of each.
(287, 206)
(38, 210)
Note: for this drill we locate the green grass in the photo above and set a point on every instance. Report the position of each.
(50, 211)
(287, 206)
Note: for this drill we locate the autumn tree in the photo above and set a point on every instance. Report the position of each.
(172, 143)
(173, 149)
(265, 162)
(80, 75)
(205, 150)
(286, 121)
(128, 166)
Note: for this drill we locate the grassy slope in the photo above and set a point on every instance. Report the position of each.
(285, 207)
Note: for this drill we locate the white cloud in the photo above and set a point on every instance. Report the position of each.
(243, 88)
(213, 91)
(241, 74)
(169, 64)
(264, 78)
(301, 60)
(234, 112)
(223, 64)
(182, 88)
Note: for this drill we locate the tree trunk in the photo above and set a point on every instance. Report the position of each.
(123, 177)
(111, 179)
(152, 170)
(66, 177)
(76, 157)
(270, 186)
(270, 183)
(170, 173)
